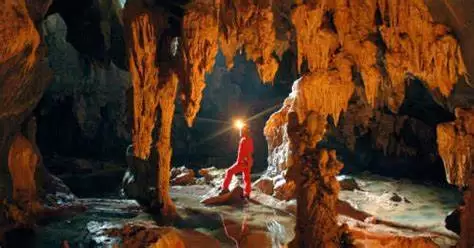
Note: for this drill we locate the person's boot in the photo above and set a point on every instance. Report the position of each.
(223, 191)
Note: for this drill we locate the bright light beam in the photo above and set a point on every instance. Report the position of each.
(219, 133)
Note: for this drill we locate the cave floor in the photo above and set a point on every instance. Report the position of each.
(403, 201)
(418, 205)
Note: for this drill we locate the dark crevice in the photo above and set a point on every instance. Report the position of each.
(419, 104)
(378, 17)
(328, 22)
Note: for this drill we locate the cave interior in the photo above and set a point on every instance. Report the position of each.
(117, 123)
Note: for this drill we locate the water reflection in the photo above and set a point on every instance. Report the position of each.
(245, 235)
(232, 231)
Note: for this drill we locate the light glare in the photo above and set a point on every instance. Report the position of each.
(239, 124)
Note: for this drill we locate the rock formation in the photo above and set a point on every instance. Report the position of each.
(372, 47)
(358, 61)
(384, 49)
(456, 146)
(25, 75)
(84, 111)
(144, 234)
(249, 25)
(200, 31)
(26, 188)
(367, 51)
(316, 223)
(154, 90)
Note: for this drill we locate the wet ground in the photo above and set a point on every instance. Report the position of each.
(419, 205)
(403, 201)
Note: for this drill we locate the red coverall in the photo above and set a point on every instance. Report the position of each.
(243, 164)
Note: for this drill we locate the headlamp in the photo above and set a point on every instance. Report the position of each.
(239, 124)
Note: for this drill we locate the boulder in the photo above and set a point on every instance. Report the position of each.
(256, 239)
(365, 238)
(349, 184)
(147, 234)
(235, 196)
(285, 190)
(265, 185)
(182, 176)
(215, 177)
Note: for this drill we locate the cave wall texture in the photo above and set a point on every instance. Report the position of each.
(364, 65)
(27, 69)
(83, 113)
(368, 54)
(24, 75)
(400, 97)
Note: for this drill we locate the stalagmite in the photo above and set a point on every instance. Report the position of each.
(294, 132)
(341, 46)
(163, 146)
(316, 223)
(24, 76)
(22, 163)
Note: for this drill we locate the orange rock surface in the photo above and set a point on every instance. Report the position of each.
(455, 144)
(200, 45)
(456, 147)
(22, 163)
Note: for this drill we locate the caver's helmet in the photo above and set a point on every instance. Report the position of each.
(245, 129)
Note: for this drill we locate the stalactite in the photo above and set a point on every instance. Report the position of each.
(314, 97)
(200, 35)
(418, 46)
(326, 93)
(355, 23)
(154, 85)
(143, 28)
(249, 25)
(414, 44)
(315, 43)
(456, 147)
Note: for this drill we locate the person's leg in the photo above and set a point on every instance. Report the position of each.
(229, 173)
(247, 181)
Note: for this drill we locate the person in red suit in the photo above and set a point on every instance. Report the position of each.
(243, 164)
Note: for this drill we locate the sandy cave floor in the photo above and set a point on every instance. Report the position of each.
(421, 205)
